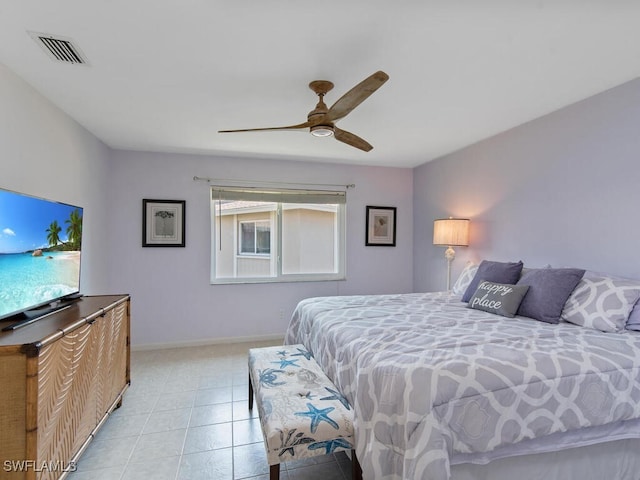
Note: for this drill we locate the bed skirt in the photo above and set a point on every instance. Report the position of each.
(617, 460)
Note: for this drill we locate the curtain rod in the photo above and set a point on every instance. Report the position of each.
(253, 182)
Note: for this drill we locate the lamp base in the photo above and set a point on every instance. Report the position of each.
(449, 254)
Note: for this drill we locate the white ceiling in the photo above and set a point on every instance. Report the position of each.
(165, 75)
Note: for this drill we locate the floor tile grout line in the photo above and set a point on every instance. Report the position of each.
(233, 443)
(133, 448)
(124, 469)
(184, 440)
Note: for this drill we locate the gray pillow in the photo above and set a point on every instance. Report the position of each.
(498, 298)
(549, 289)
(499, 272)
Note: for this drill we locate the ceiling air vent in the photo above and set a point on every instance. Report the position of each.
(59, 48)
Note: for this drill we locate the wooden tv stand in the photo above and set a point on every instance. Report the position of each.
(60, 378)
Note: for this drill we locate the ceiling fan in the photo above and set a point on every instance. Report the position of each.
(321, 120)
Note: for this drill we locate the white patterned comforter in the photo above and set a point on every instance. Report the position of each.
(429, 377)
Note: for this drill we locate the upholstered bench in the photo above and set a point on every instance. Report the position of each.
(301, 412)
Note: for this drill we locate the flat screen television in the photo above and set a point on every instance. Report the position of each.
(40, 245)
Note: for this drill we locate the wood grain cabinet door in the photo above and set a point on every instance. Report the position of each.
(66, 397)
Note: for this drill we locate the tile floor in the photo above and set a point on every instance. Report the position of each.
(185, 417)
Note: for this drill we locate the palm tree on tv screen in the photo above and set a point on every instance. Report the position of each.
(74, 229)
(53, 233)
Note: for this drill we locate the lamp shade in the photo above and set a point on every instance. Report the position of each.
(451, 232)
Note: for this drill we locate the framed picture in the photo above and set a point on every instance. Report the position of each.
(381, 227)
(163, 223)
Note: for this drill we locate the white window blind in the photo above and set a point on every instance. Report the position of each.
(278, 196)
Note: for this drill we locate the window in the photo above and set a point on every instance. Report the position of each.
(261, 235)
(255, 238)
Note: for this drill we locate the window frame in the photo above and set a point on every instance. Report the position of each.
(340, 243)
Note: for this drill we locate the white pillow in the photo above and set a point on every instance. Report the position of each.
(634, 318)
(601, 302)
(465, 278)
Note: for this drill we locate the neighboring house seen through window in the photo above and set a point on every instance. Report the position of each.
(271, 235)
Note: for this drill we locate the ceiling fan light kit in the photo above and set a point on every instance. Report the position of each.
(321, 131)
(321, 120)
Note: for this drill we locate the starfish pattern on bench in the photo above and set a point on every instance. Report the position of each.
(318, 415)
(302, 353)
(337, 396)
(331, 445)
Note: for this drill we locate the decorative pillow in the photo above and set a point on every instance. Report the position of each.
(465, 278)
(498, 298)
(549, 289)
(602, 302)
(528, 269)
(634, 319)
(499, 272)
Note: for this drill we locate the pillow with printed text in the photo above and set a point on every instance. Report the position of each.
(499, 298)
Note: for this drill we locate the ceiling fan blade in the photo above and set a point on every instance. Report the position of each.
(356, 96)
(351, 139)
(290, 127)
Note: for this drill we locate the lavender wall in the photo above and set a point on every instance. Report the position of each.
(563, 190)
(174, 303)
(43, 152)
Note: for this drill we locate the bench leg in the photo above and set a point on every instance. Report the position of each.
(250, 394)
(356, 471)
(274, 472)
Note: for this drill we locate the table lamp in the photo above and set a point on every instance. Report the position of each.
(451, 232)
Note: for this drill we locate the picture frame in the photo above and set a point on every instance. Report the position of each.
(163, 223)
(381, 227)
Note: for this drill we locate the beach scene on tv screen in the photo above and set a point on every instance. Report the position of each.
(40, 245)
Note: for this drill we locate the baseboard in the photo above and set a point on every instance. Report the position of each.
(210, 341)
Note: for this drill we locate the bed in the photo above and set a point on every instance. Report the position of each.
(444, 391)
